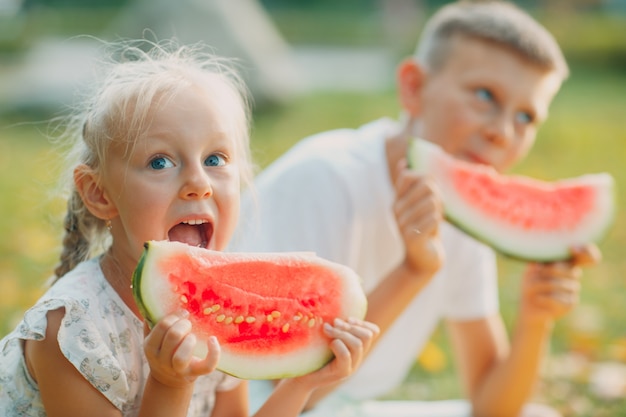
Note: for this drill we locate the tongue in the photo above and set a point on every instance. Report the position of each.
(186, 233)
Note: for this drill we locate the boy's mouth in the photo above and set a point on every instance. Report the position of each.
(192, 232)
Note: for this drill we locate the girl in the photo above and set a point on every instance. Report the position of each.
(161, 153)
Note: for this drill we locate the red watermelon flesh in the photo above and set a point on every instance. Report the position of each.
(520, 216)
(266, 310)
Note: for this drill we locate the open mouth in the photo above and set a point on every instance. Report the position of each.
(192, 232)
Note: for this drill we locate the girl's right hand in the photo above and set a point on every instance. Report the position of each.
(169, 348)
(419, 211)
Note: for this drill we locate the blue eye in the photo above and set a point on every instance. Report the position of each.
(214, 161)
(524, 118)
(484, 94)
(161, 162)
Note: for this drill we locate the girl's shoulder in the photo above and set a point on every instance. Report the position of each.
(98, 333)
(86, 296)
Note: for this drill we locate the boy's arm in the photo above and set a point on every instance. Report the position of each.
(499, 378)
(418, 213)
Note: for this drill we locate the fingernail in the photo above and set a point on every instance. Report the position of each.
(339, 322)
(328, 328)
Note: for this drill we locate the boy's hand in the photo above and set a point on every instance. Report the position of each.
(169, 348)
(551, 290)
(352, 340)
(418, 211)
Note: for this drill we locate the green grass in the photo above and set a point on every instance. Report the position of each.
(585, 133)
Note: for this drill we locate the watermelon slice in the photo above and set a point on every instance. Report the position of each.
(521, 217)
(266, 309)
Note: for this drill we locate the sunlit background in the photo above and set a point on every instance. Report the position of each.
(313, 65)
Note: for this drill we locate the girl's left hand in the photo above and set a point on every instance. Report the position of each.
(352, 340)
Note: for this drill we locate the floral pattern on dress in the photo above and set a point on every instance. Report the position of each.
(101, 337)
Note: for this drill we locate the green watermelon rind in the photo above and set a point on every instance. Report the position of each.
(136, 287)
(247, 366)
(559, 254)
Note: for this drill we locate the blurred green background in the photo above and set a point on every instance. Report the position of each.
(585, 374)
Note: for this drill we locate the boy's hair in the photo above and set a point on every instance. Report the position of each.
(499, 22)
(140, 75)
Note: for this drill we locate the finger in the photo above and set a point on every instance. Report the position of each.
(342, 364)
(550, 285)
(154, 339)
(556, 270)
(210, 361)
(586, 255)
(419, 195)
(353, 343)
(555, 303)
(368, 324)
(361, 332)
(183, 354)
(174, 336)
(421, 223)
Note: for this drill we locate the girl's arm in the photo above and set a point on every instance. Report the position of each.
(64, 391)
(168, 390)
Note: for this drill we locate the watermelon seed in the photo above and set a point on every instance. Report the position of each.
(311, 322)
(184, 299)
(229, 320)
(275, 314)
(215, 308)
(285, 328)
(207, 311)
(220, 318)
(270, 317)
(239, 319)
(250, 319)
(298, 316)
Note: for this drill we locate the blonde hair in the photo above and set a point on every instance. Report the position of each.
(139, 75)
(499, 22)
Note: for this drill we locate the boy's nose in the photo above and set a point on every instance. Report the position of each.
(500, 130)
(197, 184)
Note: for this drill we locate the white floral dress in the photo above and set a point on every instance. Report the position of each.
(101, 337)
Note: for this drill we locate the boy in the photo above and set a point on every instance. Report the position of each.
(479, 85)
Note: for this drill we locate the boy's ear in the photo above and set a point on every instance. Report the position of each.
(94, 196)
(411, 78)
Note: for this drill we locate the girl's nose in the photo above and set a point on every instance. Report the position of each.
(197, 184)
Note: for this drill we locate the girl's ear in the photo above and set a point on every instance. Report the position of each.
(94, 196)
(411, 77)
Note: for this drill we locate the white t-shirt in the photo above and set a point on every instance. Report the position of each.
(101, 337)
(332, 194)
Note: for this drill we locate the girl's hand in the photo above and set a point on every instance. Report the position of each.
(352, 340)
(551, 290)
(169, 348)
(419, 211)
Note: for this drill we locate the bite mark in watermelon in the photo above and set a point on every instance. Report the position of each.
(266, 309)
(522, 217)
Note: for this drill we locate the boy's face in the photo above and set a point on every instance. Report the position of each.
(485, 104)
